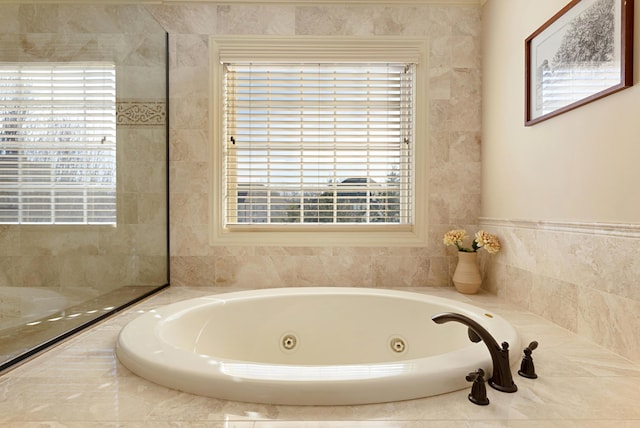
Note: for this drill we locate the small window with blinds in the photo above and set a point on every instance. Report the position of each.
(318, 143)
(57, 143)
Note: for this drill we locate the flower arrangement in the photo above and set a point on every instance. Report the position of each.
(485, 240)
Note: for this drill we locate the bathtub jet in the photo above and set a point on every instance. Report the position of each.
(310, 346)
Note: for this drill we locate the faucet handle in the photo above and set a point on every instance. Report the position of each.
(527, 368)
(471, 377)
(478, 393)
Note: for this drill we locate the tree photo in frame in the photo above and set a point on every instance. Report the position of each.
(581, 54)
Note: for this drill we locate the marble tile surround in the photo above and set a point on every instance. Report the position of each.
(80, 383)
(583, 277)
(453, 138)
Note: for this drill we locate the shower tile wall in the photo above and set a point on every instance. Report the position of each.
(453, 129)
(86, 261)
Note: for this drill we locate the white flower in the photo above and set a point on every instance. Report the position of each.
(485, 240)
(454, 237)
(488, 241)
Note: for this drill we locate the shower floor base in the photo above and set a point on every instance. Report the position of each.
(21, 342)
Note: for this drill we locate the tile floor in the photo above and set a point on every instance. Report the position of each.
(21, 339)
(80, 384)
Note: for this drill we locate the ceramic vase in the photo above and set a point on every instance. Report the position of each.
(466, 277)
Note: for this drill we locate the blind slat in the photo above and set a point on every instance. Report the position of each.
(328, 143)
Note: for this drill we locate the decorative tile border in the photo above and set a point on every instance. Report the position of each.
(141, 113)
(609, 229)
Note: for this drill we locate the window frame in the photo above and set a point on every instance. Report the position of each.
(325, 49)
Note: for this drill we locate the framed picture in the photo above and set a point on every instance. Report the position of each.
(583, 53)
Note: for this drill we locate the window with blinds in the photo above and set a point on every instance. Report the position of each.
(327, 143)
(57, 143)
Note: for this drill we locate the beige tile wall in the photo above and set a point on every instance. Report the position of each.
(583, 277)
(454, 144)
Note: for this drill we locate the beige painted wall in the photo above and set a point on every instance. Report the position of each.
(579, 166)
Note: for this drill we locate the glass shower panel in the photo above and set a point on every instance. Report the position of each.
(71, 270)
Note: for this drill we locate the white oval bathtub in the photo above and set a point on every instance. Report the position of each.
(313, 346)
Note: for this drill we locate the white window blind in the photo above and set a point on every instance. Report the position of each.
(57, 143)
(318, 143)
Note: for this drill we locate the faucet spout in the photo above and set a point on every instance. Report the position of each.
(501, 378)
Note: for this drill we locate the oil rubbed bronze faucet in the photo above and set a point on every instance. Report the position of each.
(501, 377)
